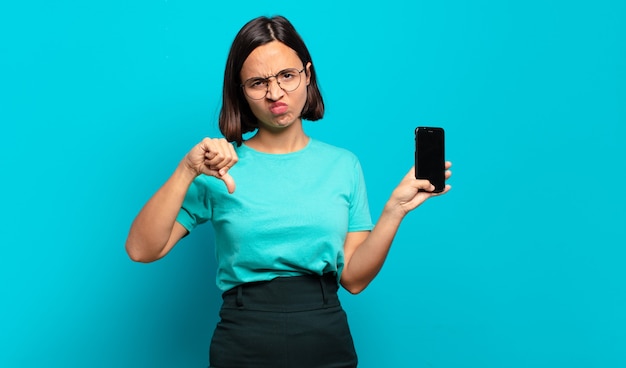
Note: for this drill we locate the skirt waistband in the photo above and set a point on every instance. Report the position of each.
(285, 294)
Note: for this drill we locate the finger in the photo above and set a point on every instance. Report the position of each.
(448, 174)
(445, 190)
(222, 171)
(222, 155)
(229, 160)
(229, 181)
(232, 156)
(208, 146)
(210, 151)
(215, 153)
(423, 184)
(206, 170)
(448, 165)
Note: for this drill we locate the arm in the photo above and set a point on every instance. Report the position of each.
(365, 252)
(154, 232)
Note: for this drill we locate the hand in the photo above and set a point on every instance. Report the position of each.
(214, 157)
(406, 197)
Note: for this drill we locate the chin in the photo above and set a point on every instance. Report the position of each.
(281, 122)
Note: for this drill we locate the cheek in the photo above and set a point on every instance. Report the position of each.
(302, 97)
(255, 108)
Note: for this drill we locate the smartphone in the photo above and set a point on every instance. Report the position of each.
(430, 156)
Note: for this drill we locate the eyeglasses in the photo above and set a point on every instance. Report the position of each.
(288, 80)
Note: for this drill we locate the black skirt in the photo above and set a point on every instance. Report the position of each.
(289, 322)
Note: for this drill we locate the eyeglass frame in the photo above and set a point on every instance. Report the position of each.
(267, 79)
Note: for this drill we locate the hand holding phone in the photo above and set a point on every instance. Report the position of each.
(430, 156)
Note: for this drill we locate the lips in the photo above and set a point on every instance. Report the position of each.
(278, 108)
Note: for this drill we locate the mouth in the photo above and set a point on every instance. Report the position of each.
(278, 108)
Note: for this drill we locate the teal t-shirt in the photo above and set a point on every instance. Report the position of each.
(288, 216)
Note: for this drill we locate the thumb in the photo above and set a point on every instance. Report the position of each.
(229, 181)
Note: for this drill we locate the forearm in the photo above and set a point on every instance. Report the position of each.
(364, 257)
(369, 256)
(151, 230)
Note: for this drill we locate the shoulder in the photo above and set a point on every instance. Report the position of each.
(321, 148)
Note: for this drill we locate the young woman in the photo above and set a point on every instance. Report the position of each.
(290, 213)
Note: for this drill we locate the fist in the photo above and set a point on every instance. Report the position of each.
(213, 157)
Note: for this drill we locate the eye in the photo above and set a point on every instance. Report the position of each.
(256, 83)
(287, 75)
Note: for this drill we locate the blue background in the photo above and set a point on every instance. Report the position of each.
(520, 265)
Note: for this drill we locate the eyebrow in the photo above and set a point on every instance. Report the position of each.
(258, 77)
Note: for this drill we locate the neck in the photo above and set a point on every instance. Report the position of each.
(279, 141)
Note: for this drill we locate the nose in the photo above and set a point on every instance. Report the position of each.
(274, 91)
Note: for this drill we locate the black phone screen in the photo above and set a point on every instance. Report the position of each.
(430, 156)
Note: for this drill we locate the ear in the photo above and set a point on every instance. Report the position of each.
(308, 73)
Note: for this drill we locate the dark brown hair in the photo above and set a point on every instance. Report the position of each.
(236, 118)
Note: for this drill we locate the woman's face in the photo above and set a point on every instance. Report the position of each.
(278, 109)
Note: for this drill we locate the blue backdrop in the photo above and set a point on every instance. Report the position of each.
(520, 265)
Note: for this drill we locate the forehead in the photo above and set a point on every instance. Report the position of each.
(269, 59)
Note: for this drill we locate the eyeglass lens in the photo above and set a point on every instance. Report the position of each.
(288, 80)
